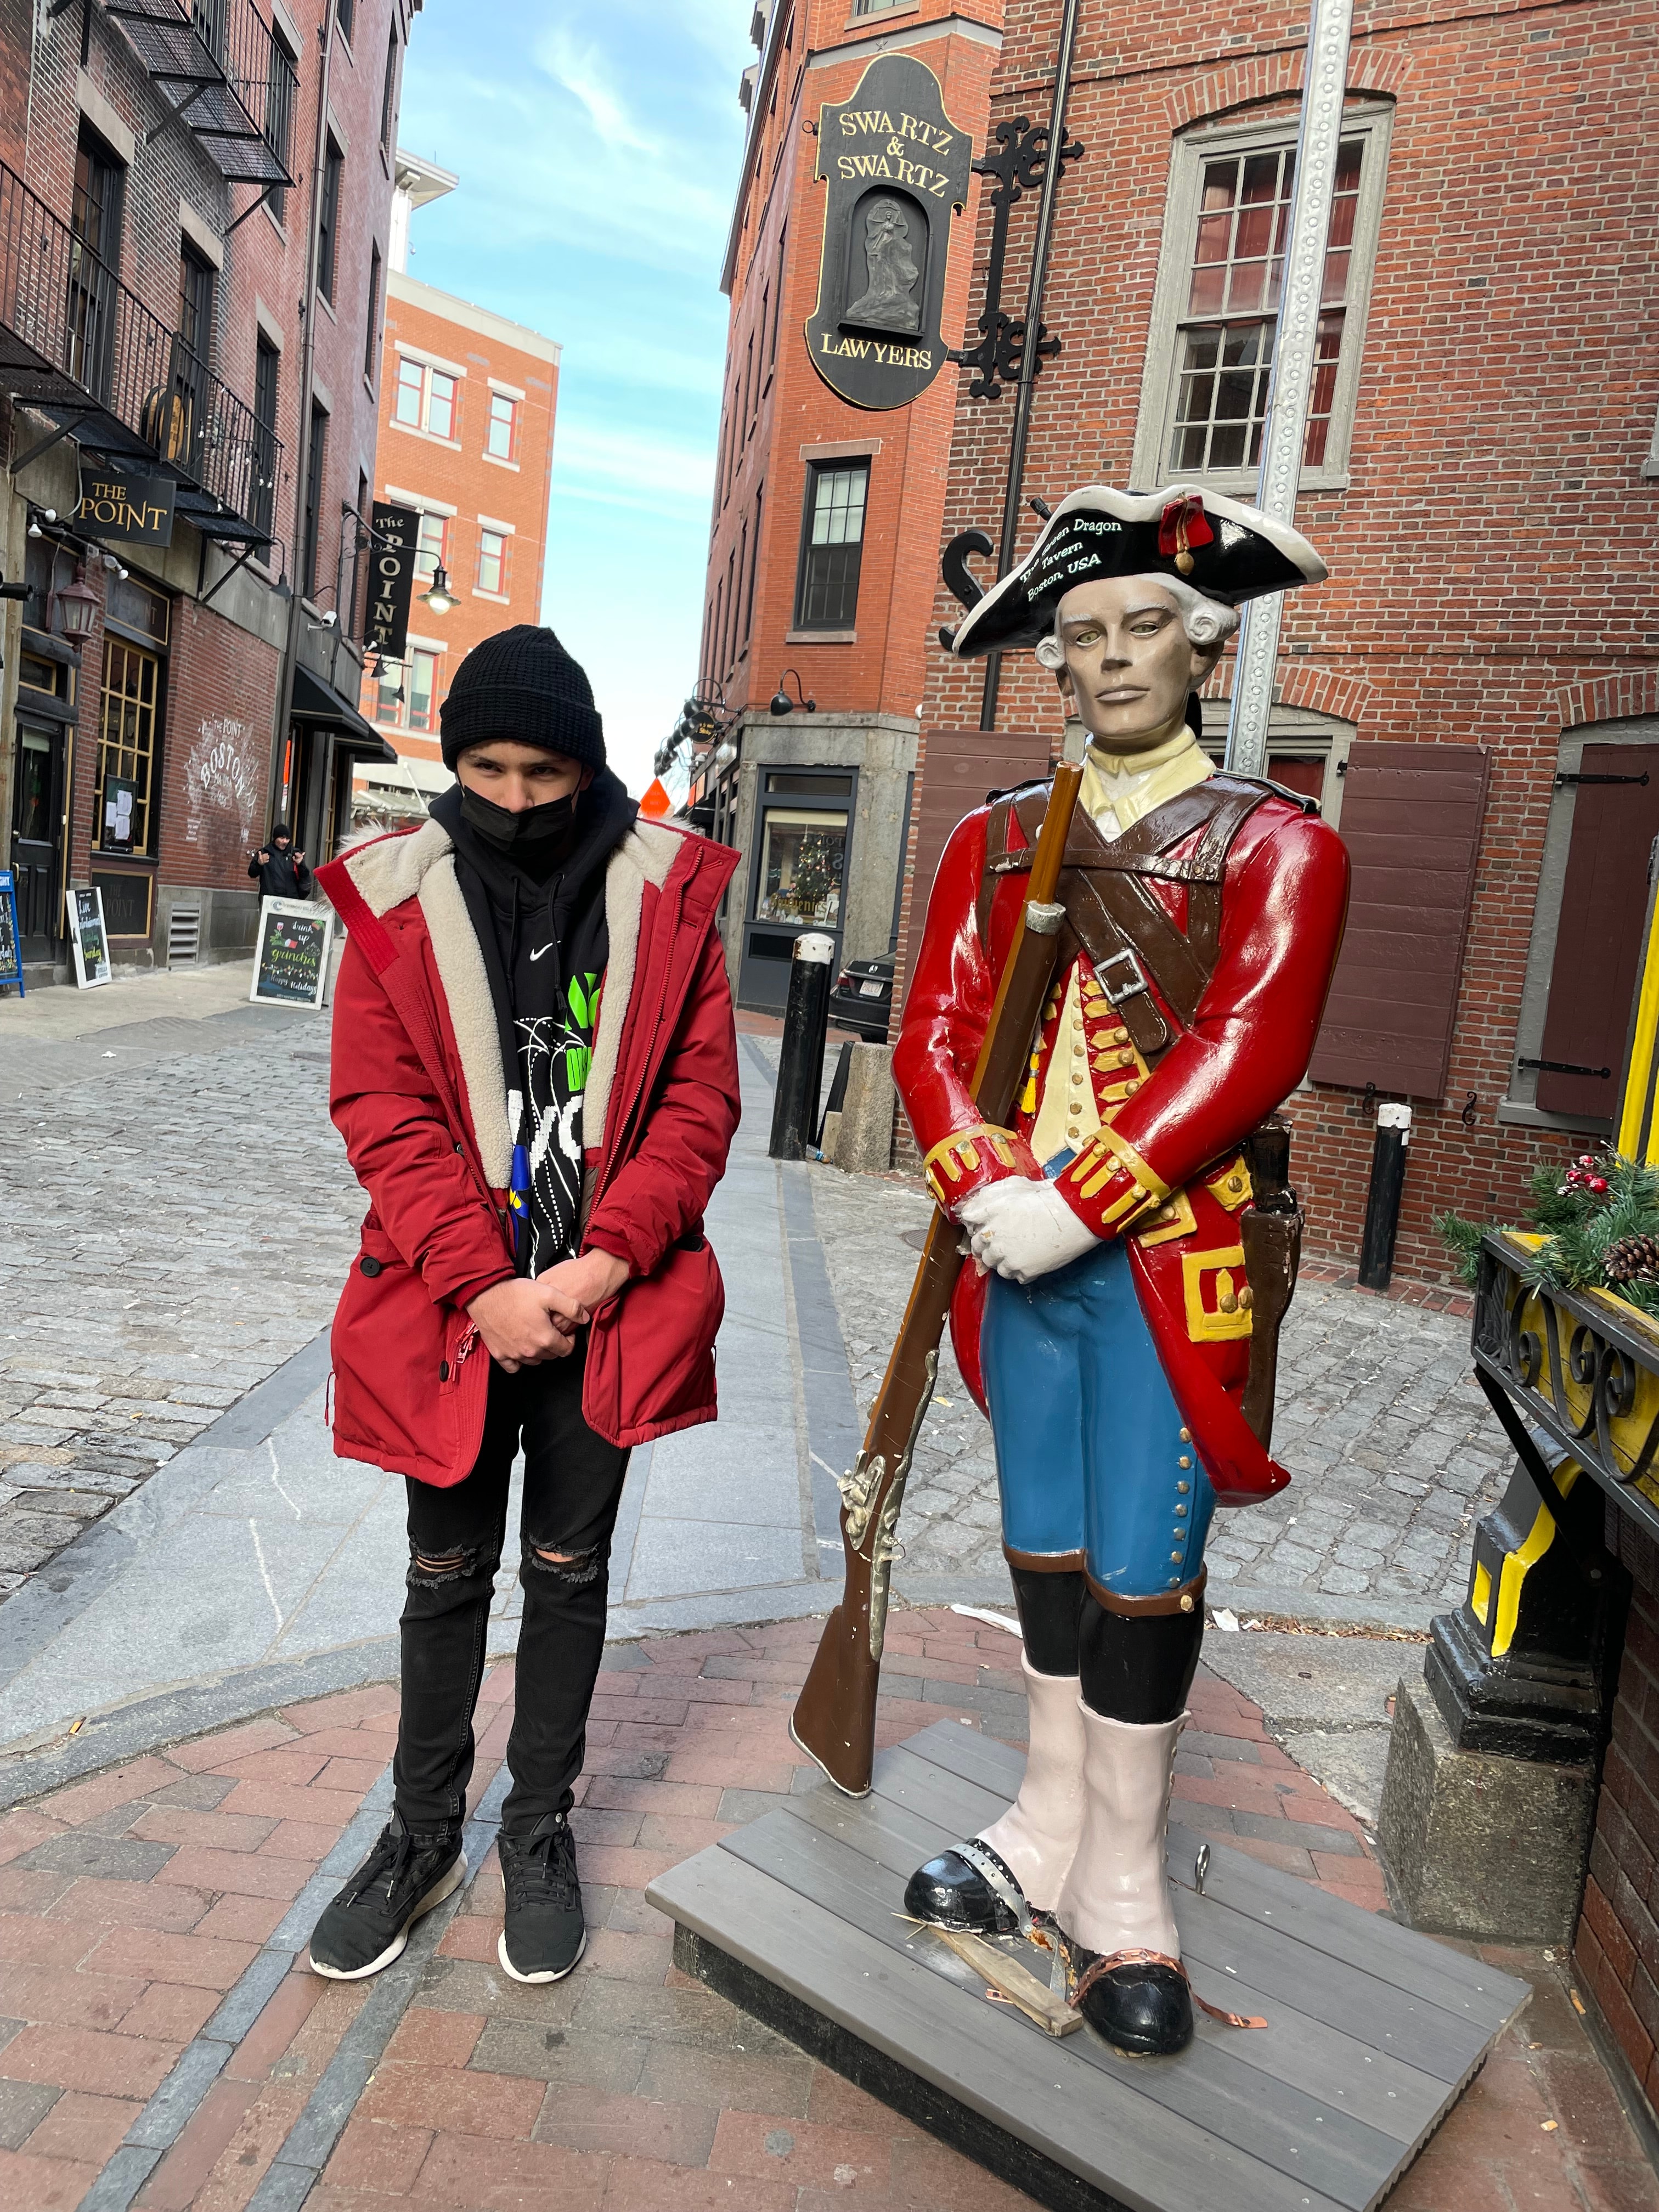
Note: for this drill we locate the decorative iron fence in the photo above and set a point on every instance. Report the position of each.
(76, 317)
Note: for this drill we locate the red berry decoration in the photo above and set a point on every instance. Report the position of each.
(1598, 1184)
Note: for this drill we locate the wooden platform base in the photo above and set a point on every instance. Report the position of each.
(1373, 2031)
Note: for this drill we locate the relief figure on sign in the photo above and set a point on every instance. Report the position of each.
(887, 300)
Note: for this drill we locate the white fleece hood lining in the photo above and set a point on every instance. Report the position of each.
(393, 870)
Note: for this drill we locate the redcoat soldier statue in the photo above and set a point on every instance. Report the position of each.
(1107, 1327)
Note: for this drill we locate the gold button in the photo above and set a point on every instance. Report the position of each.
(1247, 1298)
(1186, 1459)
(1175, 1559)
(1180, 1509)
(1227, 1304)
(1187, 1601)
(1132, 1086)
(1183, 1486)
(1186, 1435)
(1073, 1130)
(1235, 1182)
(1126, 1058)
(1079, 1049)
(1174, 1582)
(1120, 1037)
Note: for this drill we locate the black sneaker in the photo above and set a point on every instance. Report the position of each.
(544, 1935)
(367, 1925)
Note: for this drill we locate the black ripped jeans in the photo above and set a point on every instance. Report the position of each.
(573, 1483)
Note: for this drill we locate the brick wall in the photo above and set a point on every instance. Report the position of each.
(1506, 406)
(1617, 1946)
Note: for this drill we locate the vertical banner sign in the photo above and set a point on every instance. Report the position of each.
(897, 171)
(11, 937)
(391, 575)
(290, 954)
(87, 938)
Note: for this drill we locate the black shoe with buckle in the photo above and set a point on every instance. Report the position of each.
(1140, 2001)
(544, 1935)
(367, 1925)
(970, 1888)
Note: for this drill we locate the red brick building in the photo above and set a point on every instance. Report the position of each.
(1477, 475)
(466, 441)
(152, 290)
(826, 514)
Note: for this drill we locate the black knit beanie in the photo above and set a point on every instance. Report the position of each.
(521, 684)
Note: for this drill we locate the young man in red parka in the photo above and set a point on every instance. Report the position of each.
(535, 1074)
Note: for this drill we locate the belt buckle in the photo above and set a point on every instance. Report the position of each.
(1137, 982)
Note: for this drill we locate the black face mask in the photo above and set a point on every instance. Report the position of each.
(536, 825)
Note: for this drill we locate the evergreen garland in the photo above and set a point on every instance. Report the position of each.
(1600, 1223)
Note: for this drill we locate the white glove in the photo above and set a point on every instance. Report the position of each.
(1023, 1228)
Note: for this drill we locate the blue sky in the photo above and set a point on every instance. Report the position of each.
(598, 148)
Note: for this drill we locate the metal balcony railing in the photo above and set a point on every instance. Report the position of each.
(77, 344)
(225, 75)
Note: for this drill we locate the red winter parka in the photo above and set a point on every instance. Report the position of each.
(419, 1094)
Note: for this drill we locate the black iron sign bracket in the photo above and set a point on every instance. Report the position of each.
(1018, 167)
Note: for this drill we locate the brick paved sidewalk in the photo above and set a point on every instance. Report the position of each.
(164, 2044)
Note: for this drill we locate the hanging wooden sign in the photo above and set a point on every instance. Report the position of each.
(896, 169)
(392, 572)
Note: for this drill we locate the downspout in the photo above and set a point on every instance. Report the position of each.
(1029, 360)
(303, 440)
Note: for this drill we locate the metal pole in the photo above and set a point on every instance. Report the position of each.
(1324, 76)
(1029, 360)
(302, 433)
(1394, 1134)
(800, 1061)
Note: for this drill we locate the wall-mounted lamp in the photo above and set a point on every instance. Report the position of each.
(781, 703)
(44, 513)
(437, 599)
(77, 608)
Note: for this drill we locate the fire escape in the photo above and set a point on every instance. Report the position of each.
(84, 351)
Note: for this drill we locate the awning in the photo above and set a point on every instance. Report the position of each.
(317, 701)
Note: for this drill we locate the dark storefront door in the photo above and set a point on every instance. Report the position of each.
(797, 876)
(37, 836)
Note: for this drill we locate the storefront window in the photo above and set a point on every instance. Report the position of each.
(801, 873)
(128, 728)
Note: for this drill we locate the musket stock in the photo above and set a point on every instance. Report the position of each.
(835, 1718)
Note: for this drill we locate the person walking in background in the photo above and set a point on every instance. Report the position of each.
(279, 870)
(535, 1073)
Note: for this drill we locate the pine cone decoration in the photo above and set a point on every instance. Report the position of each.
(1631, 1260)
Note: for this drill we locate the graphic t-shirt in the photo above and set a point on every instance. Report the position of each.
(555, 1050)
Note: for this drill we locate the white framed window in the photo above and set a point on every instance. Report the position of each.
(431, 548)
(1307, 753)
(1215, 309)
(501, 435)
(492, 563)
(426, 399)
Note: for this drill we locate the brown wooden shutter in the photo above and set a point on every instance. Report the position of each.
(1411, 821)
(1603, 901)
(960, 767)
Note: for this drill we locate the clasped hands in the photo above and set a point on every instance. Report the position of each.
(529, 1319)
(1023, 1228)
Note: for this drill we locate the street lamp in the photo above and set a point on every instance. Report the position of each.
(77, 608)
(437, 599)
(781, 703)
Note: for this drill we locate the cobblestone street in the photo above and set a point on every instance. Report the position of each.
(172, 1227)
(1379, 1421)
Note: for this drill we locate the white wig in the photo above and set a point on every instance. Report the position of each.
(1208, 622)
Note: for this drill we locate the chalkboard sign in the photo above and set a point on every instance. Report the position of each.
(11, 942)
(87, 938)
(290, 954)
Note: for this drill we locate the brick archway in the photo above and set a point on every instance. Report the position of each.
(1345, 698)
(1277, 76)
(1633, 692)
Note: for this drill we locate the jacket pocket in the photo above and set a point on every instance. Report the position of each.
(410, 1377)
(651, 1353)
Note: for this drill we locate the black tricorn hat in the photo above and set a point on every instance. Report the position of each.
(1222, 547)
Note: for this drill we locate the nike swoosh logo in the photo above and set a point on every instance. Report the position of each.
(540, 949)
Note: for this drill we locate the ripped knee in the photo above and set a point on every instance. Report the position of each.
(575, 1570)
(429, 1570)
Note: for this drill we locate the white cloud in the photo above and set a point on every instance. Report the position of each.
(629, 461)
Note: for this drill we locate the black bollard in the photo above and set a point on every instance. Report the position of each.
(1394, 1134)
(800, 1067)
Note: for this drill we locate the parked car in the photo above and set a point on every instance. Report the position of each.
(863, 998)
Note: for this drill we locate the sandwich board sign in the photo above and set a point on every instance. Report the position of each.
(87, 938)
(290, 953)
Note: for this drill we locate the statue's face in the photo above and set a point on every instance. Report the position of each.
(1129, 663)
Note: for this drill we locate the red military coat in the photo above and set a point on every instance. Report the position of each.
(1165, 1172)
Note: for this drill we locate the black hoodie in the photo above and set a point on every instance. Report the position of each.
(539, 919)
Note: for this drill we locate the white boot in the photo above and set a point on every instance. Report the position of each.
(1116, 1895)
(1037, 1836)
